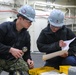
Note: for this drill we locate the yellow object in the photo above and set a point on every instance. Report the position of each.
(37, 71)
(64, 69)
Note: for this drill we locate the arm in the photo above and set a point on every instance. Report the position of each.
(27, 55)
(3, 48)
(43, 46)
(72, 49)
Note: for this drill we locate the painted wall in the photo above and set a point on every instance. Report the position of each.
(40, 21)
(35, 30)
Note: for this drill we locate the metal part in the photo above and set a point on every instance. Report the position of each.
(72, 71)
(24, 49)
(10, 4)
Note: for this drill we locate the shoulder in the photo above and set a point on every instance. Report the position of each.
(5, 26)
(65, 28)
(68, 31)
(25, 32)
(47, 30)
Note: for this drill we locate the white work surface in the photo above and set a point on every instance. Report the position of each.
(52, 73)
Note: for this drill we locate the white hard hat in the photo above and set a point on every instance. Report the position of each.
(56, 18)
(28, 12)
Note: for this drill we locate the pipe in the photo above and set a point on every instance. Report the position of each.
(9, 11)
(69, 12)
(26, 1)
(9, 4)
(52, 4)
(36, 15)
(72, 17)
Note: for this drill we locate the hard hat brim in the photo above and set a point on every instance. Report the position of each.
(56, 24)
(30, 19)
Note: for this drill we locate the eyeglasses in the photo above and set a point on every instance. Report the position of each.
(56, 27)
(28, 20)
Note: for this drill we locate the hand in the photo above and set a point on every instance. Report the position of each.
(64, 55)
(61, 43)
(30, 63)
(16, 52)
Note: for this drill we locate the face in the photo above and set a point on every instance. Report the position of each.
(54, 29)
(26, 23)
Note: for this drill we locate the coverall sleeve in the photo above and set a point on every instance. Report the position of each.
(72, 46)
(43, 46)
(3, 48)
(27, 55)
